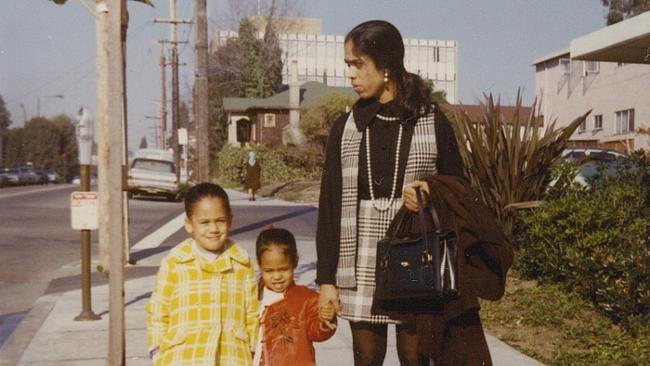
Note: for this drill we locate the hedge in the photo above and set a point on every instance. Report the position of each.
(595, 242)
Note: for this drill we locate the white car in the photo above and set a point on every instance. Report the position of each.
(152, 177)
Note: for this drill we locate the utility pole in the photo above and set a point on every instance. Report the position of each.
(201, 84)
(156, 128)
(163, 98)
(110, 104)
(175, 93)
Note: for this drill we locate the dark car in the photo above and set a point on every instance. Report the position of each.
(12, 176)
(28, 175)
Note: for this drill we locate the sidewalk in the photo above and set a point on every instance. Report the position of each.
(49, 336)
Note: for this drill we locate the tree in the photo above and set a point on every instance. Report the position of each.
(5, 122)
(316, 120)
(143, 143)
(240, 9)
(48, 144)
(620, 10)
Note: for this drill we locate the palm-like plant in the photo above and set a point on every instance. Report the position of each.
(508, 162)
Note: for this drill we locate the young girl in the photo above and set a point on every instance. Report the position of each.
(204, 307)
(290, 315)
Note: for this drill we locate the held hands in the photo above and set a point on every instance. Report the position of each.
(409, 197)
(328, 306)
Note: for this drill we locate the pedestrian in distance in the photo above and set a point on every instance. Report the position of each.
(376, 155)
(290, 314)
(204, 308)
(253, 176)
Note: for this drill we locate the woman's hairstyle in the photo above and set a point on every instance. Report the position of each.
(277, 237)
(205, 190)
(383, 43)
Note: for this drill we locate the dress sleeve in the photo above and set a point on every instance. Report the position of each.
(449, 160)
(315, 332)
(329, 208)
(252, 308)
(158, 307)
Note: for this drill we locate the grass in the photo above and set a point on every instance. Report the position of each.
(559, 328)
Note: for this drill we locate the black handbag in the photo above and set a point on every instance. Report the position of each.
(415, 274)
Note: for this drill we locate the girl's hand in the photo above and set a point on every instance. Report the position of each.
(327, 312)
(409, 197)
(328, 298)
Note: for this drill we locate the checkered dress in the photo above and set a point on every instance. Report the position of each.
(362, 226)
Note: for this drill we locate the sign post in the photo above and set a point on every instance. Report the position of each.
(84, 206)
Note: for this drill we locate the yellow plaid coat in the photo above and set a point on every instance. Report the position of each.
(204, 313)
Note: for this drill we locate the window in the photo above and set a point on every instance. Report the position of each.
(269, 120)
(583, 127)
(592, 67)
(565, 66)
(598, 122)
(625, 121)
(436, 54)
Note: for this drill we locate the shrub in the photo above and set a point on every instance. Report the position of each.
(508, 162)
(317, 119)
(594, 242)
(279, 164)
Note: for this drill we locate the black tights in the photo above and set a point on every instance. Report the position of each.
(369, 343)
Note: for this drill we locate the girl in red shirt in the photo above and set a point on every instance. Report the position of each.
(290, 317)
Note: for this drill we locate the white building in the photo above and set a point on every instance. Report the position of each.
(607, 72)
(320, 58)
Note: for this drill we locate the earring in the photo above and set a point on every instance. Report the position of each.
(385, 77)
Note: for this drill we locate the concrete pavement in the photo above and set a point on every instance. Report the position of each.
(49, 336)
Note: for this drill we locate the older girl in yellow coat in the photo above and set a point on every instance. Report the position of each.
(203, 309)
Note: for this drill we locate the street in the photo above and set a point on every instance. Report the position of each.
(36, 239)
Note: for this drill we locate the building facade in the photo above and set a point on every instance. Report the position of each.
(320, 58)
(607, 72)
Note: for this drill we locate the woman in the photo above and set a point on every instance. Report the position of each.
(253, 172)
(376, 155)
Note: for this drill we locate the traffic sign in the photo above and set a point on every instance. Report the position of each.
(84, 207)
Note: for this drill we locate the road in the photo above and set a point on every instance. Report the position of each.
(36, 239)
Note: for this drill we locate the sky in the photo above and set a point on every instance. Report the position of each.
(47, 52)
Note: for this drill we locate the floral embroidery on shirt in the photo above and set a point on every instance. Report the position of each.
(285, 322)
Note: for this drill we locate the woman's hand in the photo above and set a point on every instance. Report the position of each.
(328, 304)
(409, 197)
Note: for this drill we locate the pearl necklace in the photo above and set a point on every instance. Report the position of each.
(399, 144)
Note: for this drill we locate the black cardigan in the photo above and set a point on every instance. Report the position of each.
(329, 210)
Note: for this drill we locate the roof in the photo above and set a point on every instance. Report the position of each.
(626, 41)
(309, 93)
(551, 56)
(475, 111)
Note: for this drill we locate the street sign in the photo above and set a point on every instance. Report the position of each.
(84, 210)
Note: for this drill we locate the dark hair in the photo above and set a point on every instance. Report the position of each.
(278, 237)
(383, 43)
(204, 190)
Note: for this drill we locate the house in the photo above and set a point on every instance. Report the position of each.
(274, 120)
(607, 72)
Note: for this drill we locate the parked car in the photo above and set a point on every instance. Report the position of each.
(12, 176)
(53, 177)
(28, 175)
(152, 173)
(593, 162)
(42, 176)
(4, 180)
(580, 153)
(77, 180)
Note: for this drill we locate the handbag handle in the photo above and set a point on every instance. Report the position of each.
(432, 210)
